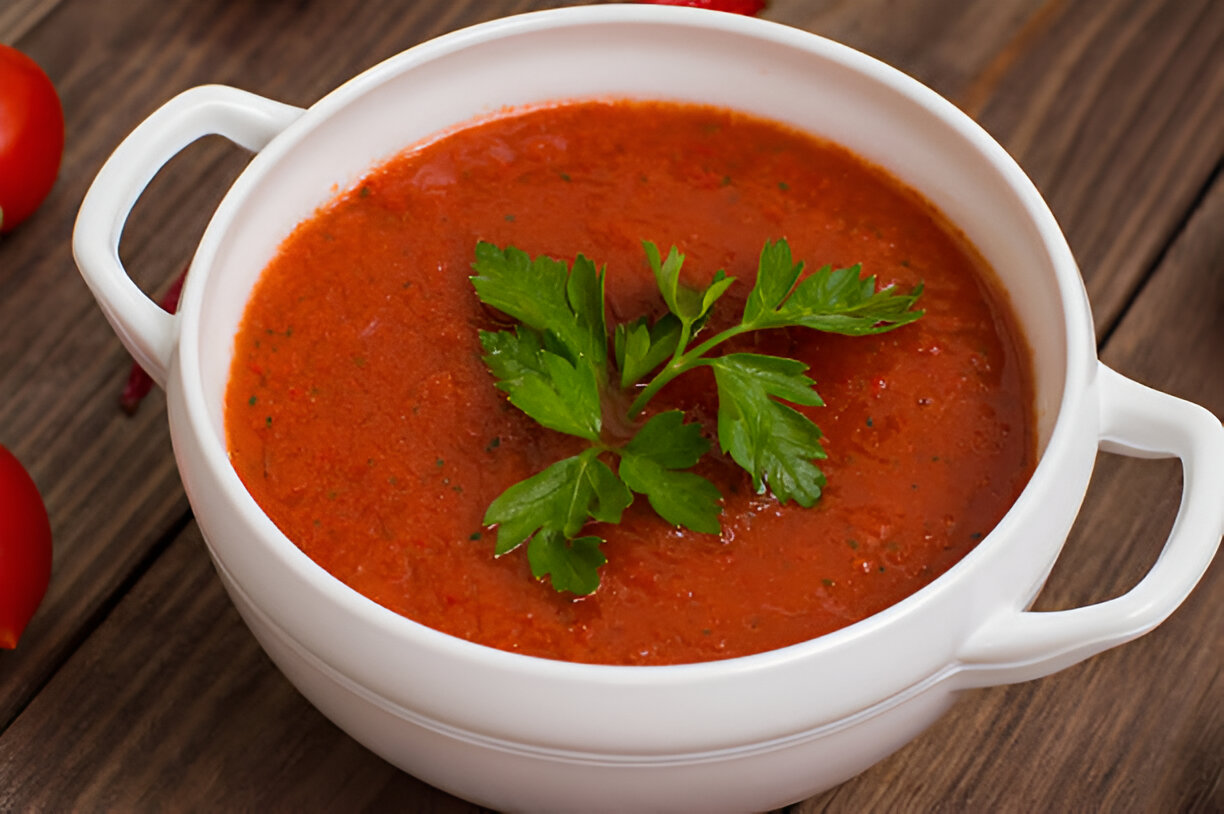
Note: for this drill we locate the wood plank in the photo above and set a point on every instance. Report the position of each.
(1140, 727)
(172, 703)
(172, 672)
(17, 17)
(946, 44)
(112, 70)
(1116, 110)
(109, 481)
(60, 369)
(60, 366)
(1117, 113)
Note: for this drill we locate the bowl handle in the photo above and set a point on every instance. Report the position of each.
(1018, 645)
(251, 121)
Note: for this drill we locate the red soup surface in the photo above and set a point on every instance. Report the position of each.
(363, 421)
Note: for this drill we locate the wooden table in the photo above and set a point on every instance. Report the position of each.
(138, 688)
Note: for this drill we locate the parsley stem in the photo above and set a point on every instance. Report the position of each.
(686, 336)
(680, 363)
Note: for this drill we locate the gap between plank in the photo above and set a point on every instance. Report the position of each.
(1161, 255)
(99, 616)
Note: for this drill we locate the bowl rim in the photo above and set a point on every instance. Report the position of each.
(1079, 347)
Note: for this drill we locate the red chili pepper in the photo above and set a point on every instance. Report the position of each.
(748, 7)
(139, 382)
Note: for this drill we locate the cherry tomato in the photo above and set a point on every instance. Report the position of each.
(25, 549)
(31, 137)
(748, 7)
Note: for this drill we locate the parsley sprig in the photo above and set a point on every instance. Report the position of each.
(555, 367)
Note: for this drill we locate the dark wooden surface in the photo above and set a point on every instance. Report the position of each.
(137, 687)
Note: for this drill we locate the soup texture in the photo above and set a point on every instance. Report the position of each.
(364, 422)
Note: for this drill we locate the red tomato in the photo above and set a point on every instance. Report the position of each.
(31, 137)
(25, 549)
(748, 7)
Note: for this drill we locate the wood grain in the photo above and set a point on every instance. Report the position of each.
(17, 17)
(1117, 113)
(946, 44)
(1138, 728)
(113, 64)
(137, 687)
(189, 710)
(1115, 109)
(109, 481)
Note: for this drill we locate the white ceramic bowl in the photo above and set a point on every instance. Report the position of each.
(515, 732)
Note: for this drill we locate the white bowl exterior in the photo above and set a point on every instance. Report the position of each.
(511, 779)
(714, 713)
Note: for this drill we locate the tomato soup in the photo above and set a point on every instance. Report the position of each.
(362, 419)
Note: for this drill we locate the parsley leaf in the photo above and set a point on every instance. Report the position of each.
(680, 498)
(776, 276)
(774, 442)
(831, 300)
(640, 347)
(544, 295)
(548, 510)
(609, 495)
(544, 385)
(688, 304)
(649, 464)
(560, 498)
(530, 505)
(669, 442)
(570, 564)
